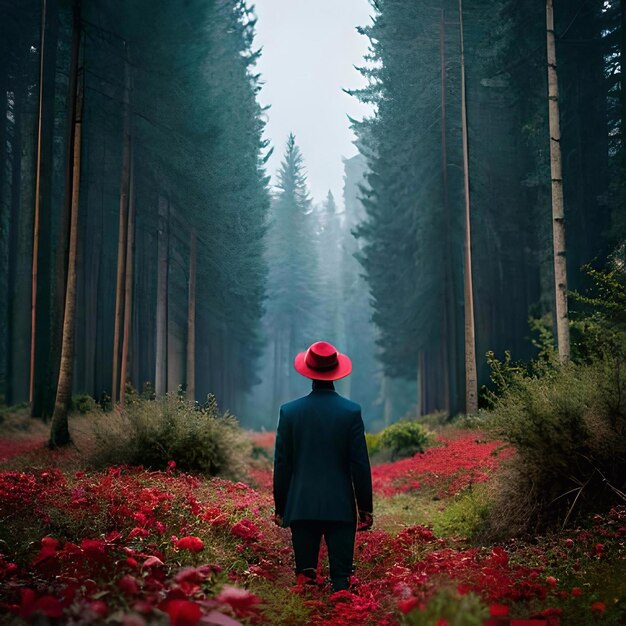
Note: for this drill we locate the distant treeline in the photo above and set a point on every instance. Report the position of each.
(413, 194)
(133, 198)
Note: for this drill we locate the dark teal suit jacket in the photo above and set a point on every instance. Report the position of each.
(321, 466)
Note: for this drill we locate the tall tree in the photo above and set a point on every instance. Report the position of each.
(59, 431)
(471, 381)
(558, 211)
(191, 320)
(122, 247)
(291, 256)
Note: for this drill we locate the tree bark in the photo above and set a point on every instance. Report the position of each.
(122, 244)
(160, 383)
(471, 379)
(128, 286)
(447, 332)
(33, 299)
(59, 431)
(61, 262)
(191, 320)
(12, 392)
(558, 211)
(5, 225)
(42, 387)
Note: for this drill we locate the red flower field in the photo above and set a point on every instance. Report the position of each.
(130, 546)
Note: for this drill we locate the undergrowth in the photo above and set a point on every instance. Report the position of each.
(157, 433)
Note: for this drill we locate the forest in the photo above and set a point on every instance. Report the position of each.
(184, 257)
(157, 279)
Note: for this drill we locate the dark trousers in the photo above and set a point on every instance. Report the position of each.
(306, 536)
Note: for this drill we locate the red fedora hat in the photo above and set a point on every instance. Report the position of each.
(322, 362)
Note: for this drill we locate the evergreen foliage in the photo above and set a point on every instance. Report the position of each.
(412, 232)
(171, 95)
(293, 287)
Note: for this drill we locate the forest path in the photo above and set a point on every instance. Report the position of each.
(144, 536)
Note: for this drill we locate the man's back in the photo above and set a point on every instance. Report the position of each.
(321, 458)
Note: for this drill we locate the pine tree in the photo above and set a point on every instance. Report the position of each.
(292, 282)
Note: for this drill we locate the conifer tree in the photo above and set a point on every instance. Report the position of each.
(292, 281)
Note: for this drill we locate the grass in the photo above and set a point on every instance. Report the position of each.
(463, 515)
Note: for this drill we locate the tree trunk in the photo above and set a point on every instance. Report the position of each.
(61, 262)
(59, 431)
(471, 379)
(447, 337)
(5, 224)
(122, 244)
(128, 287)
(12, 313)
(622, 63)
(41, 386)
(24, 197)
(387, 401)
(191, 320)
(33, 299)
(160, 383)
(421, 383)
(558, 212)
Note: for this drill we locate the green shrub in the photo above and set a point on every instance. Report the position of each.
(373, 443)
(404, 438)
(152, 433)
(569, 430)
(83, 403)
(449, 607)
(435, 420)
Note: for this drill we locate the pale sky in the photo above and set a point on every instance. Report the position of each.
(309, 50)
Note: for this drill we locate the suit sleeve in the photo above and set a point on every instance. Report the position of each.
(360, 465)
(283, 463)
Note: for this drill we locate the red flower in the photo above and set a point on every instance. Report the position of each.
(128, 584)
(569, 543)
(246, 529)
(498, 610)
(99, 607)
(551, 580)
(241, 601)
(45, 605)
(193, 544)
(406, 606)
(181, 612)
(551, 612)
(598, 549)
(49, 547)
(598, 607)
(499, 556)
(577, 592)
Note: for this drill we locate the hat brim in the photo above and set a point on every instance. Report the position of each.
(344, 367)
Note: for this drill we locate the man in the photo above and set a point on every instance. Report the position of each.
(322, 476)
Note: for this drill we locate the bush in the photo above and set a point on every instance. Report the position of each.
(404, 438)
(153, 433)
(83, 403)
(373, 443)
(569, 430)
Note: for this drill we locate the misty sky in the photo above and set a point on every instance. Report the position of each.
(309, 50)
